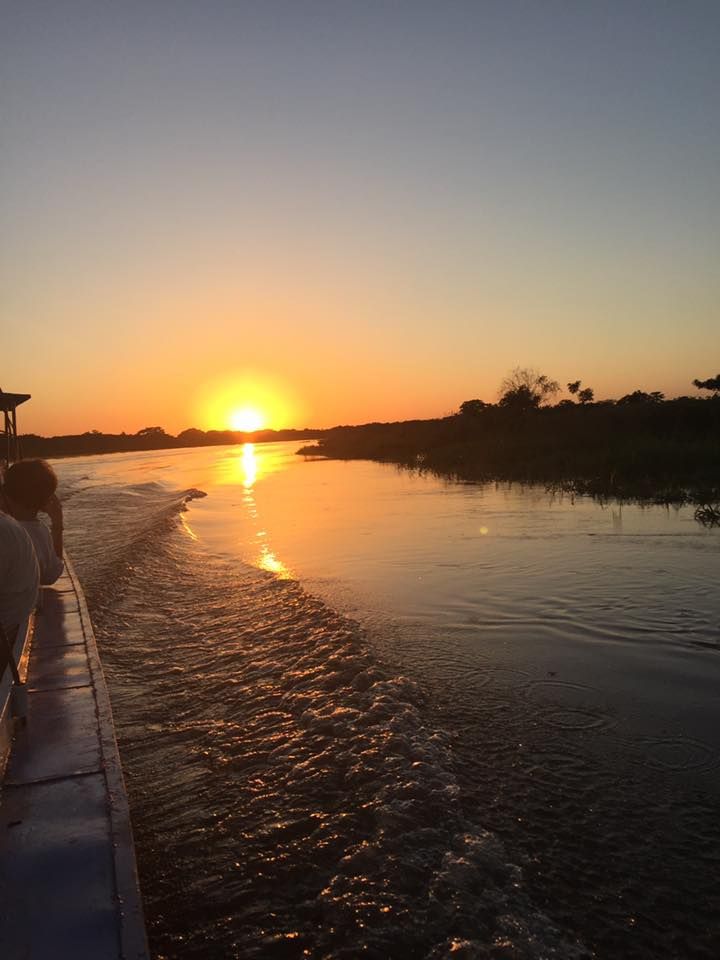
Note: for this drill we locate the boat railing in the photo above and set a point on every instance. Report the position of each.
(16, 647)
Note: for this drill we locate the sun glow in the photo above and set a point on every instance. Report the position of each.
(245, 402)
(247, 419)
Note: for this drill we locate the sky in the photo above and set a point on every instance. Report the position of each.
(339, 212)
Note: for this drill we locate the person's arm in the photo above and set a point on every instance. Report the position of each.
(53, 508)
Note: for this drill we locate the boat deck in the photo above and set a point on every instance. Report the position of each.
(68, 881)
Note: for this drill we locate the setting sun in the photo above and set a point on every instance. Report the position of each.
(245, 401)
(247, 419)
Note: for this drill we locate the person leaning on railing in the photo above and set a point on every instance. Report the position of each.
(19, 579)
(28, 489)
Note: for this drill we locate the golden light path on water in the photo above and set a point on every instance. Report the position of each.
(244, 469)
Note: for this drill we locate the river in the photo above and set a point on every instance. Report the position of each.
(365, 712)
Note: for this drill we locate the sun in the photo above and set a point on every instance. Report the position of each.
(247, 419)
(245, 402)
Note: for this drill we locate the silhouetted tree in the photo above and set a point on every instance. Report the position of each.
(471, 408)
(584, 396)
(526, 389)
(192, 437)
(152, 438)
(639, 396)
(712, 383)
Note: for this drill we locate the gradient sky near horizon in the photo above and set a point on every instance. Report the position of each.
(352, 211)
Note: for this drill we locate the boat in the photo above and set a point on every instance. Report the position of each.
(68, 877)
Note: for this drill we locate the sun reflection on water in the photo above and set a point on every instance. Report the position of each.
(268, 561)
(249, 465)
(188, 529)
(246, 468)
(246, 465)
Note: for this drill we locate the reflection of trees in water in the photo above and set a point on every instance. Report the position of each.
(708, 514)
(651, 450)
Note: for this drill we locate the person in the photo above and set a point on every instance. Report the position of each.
(29, 488)
(19, 575)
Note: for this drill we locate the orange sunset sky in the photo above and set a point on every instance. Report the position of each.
(337, 213)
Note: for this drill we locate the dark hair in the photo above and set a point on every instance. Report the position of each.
(30, 483)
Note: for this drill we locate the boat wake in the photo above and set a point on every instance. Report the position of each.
(290, 795)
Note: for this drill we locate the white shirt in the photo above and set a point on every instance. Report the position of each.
(51, 565)
(19, 574)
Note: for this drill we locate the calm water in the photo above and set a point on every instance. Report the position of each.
(368, 713)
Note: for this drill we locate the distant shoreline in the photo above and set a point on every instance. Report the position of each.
(94, 443)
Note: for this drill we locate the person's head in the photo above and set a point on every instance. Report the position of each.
(28, 485)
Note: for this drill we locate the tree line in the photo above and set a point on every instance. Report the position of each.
(640, 447)
(148, 438)
(525, 389)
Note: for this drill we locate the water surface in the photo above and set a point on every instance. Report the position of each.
(368, 712)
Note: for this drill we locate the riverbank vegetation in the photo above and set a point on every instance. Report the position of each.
(640, 447)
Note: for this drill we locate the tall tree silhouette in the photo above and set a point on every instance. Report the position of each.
(712, 383)
(526, 389)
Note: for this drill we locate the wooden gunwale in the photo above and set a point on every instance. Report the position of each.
(68, 877)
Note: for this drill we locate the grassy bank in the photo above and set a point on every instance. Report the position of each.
(661, 452)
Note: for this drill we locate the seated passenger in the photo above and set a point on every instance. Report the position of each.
(19, 576)
(29, 487)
